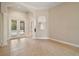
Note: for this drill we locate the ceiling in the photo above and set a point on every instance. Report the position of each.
(40, 5)
(25, 6)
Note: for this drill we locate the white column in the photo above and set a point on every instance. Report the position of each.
(1, 29)
(4, 23)
(34, 25)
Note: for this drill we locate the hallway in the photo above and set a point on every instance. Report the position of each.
(37, 47)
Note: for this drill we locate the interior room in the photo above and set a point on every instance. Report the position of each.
(39, 28)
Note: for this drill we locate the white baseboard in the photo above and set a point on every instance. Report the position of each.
(41, 38)
(64, 42)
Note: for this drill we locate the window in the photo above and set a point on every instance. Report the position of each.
(13, 25)
(42, 22)
(17, 27)
(22, 27)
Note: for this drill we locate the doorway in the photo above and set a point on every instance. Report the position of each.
(17, 28)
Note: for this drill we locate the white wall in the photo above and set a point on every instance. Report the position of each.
(64, 22)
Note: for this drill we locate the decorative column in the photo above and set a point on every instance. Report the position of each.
(4, 12)
(1, 29)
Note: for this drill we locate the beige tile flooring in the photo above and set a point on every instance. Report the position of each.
(37, 47)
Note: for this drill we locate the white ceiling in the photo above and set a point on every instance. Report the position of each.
(40, 5)
(25, 6)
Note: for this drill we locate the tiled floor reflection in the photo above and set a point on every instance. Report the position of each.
(37, 47)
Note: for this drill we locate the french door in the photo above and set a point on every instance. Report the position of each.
(16, 27)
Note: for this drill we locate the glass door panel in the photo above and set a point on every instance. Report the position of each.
(13, 27)
(22, 27)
